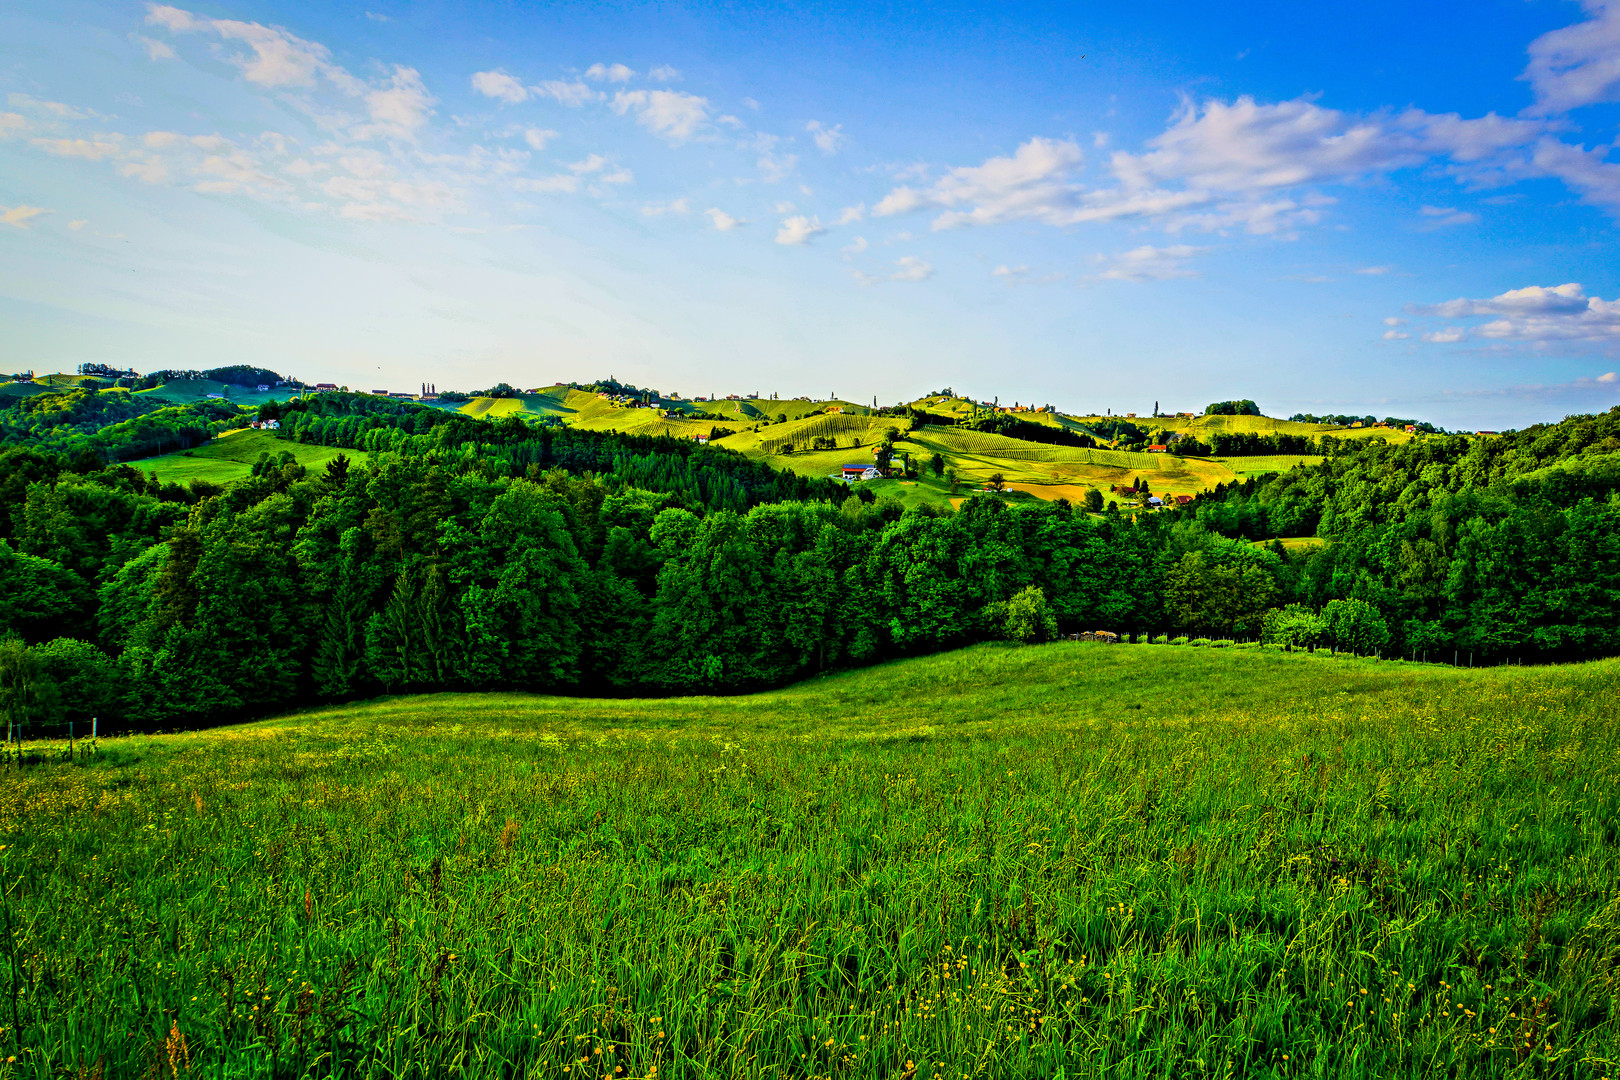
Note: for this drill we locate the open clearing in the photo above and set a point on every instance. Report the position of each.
(230, 456)
(999, 862)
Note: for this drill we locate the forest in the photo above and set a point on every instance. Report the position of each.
(448, 552)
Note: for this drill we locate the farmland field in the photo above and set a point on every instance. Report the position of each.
(1066, 860)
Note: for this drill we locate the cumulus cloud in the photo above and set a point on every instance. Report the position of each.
(1010, 272)
(1535, 314)
(12, 124)
(1395, 335)
(398, 108)
(19, 216)
(1577, 65)
(798, 230)
(1226, 165)
(852, 213)
(673, 114)
(500, 86)
(663, 73)
(276, 58)
(1149, 263)
(827, 139)
(722, 221)
(609, 73)
(856, 247)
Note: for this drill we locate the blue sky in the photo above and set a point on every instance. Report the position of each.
(1402, 209)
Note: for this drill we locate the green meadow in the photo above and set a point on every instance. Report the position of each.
(1062, 860)
(231, 457)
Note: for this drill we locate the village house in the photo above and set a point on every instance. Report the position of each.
(860, 471)
(1158, 448)
(325, 387)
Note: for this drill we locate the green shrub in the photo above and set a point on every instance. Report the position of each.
(1198, 641)
(1162, 639)
(1182, 640)
(1222, 643)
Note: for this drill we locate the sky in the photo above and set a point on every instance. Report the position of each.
(1403, 209)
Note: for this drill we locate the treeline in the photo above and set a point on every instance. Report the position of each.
(1497, 546)
(232, 374)
(1344, 420)
(705, 476)
(113, 426)
(1011, 426)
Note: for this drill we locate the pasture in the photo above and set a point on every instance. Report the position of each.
(1075, 860)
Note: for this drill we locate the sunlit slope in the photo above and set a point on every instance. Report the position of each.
(231, 456)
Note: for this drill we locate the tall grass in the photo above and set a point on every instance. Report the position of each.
(1065, 860)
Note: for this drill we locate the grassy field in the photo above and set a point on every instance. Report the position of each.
(1066, 860)
(231, 456)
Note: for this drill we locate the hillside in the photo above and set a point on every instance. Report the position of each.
(1005, 862)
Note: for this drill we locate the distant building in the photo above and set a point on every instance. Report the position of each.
(1158, 448)
(214, 396)
(1486, 433)
(262, 388)
(1411, 429)
(1183, 500)
(1154, 500)
(323, 387)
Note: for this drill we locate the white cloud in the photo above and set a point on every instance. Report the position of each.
(907, 268)
(852, 214)
(538, 137)
(278, 58)
(859, 245)
(589, 164)
(798, 230)
(785, 208)
(399, 108)
(19, 216)
(911, 268)
(500, 86)
(1441, 216)
(1577, 65)
(827, 139)
(722, 221)
(751, 103)
(377, 16)
(155, 50)
(673, 114)
(150, 170)
(52, 108)
(12, 124)
(1587, 171)
(606, 73)
(1032, 183)
(1395, 335)
(1149, 263)
(1607, 377)
(663, 73)
(1372, 271)
(1536, 314)
(101, 146)
(775, 167)
(571, 94)
(561, 183)
(674, 206)
(1392, 321)
(1010, 272)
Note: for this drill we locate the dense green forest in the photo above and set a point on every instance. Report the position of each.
(454, 552)
(115, 426)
